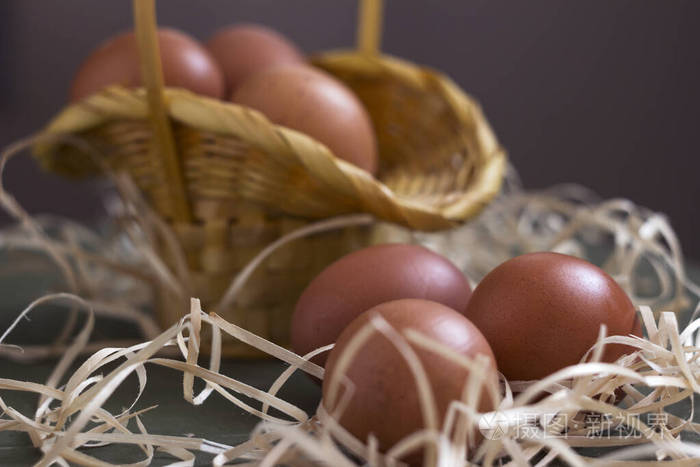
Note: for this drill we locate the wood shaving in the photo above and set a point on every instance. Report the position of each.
(535, 422)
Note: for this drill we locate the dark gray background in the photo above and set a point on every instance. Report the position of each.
(602, 93)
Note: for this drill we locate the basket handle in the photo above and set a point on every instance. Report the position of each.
(369, 26)
(152, 76)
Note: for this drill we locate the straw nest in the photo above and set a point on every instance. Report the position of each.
(536, 422)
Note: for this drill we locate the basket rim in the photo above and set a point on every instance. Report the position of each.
(371, 195)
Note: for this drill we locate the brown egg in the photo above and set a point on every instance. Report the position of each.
(541, 312)
(185, 63)
(385, 399)
(245, 49)
(313, 102)
(366, 278)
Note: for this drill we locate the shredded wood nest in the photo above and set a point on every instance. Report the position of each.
(635, 245)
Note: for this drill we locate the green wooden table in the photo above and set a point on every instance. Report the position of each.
(216, 419)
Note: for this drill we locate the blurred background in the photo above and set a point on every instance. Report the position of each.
(600, 93)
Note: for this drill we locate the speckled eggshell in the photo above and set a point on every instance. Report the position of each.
(541, 312)
(366, 278)
(315, 103)
(385, 401)
(185, 63)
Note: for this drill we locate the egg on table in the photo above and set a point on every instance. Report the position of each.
(315, 103)
(369, 277)
(385, 400)
(542, 312)
(185, 63)
(245, 49)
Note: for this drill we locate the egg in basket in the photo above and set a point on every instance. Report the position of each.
(229, 179)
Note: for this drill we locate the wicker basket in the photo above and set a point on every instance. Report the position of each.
(229, 182)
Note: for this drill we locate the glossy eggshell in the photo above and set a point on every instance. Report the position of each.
(245, 49)
(185, 63)
(313, 102)
(385, 400)
(366, 278)
(541, 312)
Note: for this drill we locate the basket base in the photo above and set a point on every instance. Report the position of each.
(266, 303)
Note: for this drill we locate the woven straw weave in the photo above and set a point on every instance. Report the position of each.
(248, 181)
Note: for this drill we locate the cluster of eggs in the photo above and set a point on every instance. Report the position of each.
(249, 65)
(529, 317)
